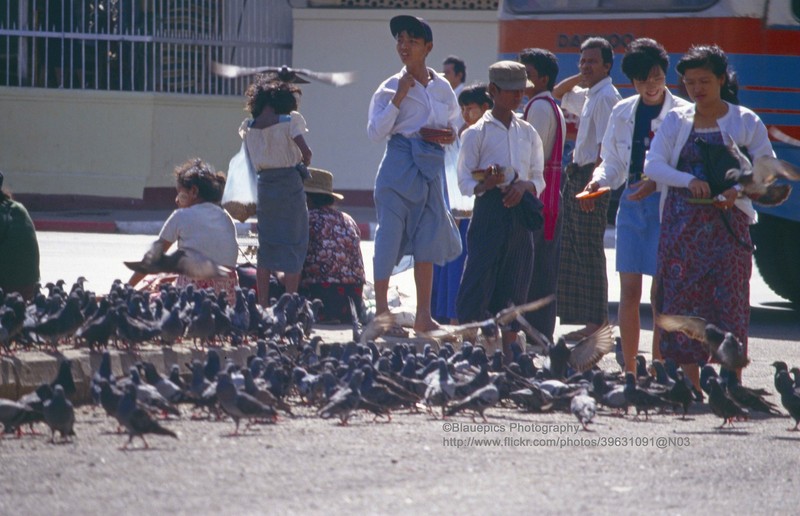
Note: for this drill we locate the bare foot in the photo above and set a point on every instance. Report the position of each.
(423, 323)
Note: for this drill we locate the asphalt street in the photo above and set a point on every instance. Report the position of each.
(417, 464)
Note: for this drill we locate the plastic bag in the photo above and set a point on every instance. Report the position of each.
(241, 189)
(460, 205)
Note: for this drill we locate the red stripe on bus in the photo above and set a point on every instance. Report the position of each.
(734, 35)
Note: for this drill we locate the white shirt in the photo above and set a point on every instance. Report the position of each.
(739, 124)
(543, 119)
(274, 146)
(434, 106)
(488, 142)
(618, 139)
(594, 107)
(204, 227)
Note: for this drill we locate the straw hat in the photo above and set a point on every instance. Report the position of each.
(321, 181)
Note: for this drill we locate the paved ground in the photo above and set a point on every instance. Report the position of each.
(416, 464)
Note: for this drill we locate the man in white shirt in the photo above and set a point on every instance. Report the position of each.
(582, 283)
(416, 111)
(546, 117)
(501, 164)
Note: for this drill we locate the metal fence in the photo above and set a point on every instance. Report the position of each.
(139, 45)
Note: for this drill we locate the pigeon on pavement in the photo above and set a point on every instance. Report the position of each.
(59, 415)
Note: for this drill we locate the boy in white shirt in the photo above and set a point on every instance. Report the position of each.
(501, 160)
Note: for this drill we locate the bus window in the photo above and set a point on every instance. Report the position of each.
(601, 6)
(796, 8)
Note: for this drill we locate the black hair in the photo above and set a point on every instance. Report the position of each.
(475, 94)
(458, 66)
(545, 62)
(196, 172)
(266, 91)
(642, 55)
(320, 200)
(605, 48)
(713, 59)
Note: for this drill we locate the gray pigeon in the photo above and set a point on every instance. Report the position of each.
(59, 415)
(723, 346)
(13, 415)
(345, 400)
(283, 74)
(137, 421)
(186, 261)
(583, 407)
(240, 405)
(483, 398)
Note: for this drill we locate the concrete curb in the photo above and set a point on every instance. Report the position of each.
(19, 376)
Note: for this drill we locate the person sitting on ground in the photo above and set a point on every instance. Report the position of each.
(19, 248)
(334, 268)
(200, 223)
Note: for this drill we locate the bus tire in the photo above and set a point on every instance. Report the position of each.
(777, 254)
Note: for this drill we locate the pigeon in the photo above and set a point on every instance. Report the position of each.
(283, 74)
(137, 421)
(581, 356)
(100, 328)
(441, 387)
(186, 261)
(752, 399)
(64, 378)
(240, 405)
(14, 414)
(481, 399)
(758, 179)
(583, 407)
(172, 326)
(171, 392)
(379, 325)
(679, 393)
(641, 399)
(532, 399)
(62, 324)
(202, 326)
(103, 373)
(723, 346)
(608, 396)
(345, 400)
(722, 404)
(790, 399)
(59, 415)
(502, 319)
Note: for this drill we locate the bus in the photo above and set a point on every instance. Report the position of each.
(762, 41)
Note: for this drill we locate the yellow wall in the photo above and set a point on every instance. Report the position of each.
(109, 143)
(83, 142)
(359, 40)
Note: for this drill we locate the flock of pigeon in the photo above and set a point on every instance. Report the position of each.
(337, 380)
(127, 318)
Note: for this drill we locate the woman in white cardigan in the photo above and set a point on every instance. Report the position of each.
(630, 131)
(705, 252)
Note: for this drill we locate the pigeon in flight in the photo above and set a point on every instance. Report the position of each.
(758, 178)
(284, 74)
(722, 346)
(186, 261)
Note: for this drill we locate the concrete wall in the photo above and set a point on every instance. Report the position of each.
(109, 144)
(359, 40)
(117, 144)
